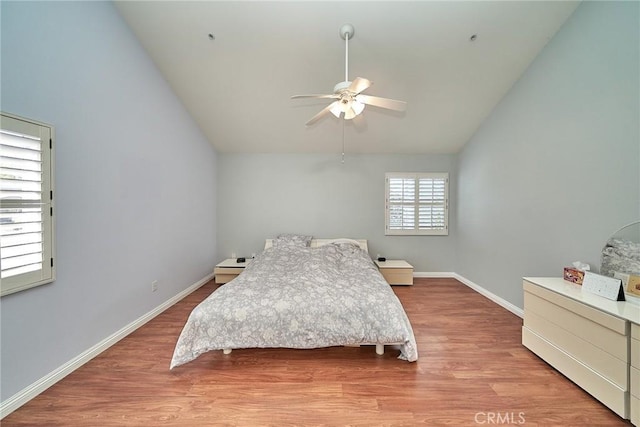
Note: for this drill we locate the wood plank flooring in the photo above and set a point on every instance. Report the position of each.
(472, 371)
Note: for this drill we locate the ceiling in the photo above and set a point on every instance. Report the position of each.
(237, 87)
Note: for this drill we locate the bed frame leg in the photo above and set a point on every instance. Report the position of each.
(226, 351)
(380, 349)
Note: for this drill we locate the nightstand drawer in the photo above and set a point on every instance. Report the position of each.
(228, 270)
(225, 275)
(398, 276)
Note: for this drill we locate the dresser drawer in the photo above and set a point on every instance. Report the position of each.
(612, 322)
(635, 346)
(595, 328)
(607, 365)
(635, 411)
(599, 387)
(635, 381)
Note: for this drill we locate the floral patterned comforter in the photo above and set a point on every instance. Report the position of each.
(299, 297)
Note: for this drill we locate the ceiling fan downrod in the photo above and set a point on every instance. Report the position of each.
(346, 32)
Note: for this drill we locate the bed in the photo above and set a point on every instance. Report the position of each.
(300, 293)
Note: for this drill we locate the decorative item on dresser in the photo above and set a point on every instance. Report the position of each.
(396, 271)
(587, 338)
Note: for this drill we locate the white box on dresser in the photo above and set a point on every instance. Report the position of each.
(584, 336)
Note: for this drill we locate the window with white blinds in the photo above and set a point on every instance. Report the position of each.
(26, 204)
(417, 204)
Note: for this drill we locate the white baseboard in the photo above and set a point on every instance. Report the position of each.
(493, 297)
(25, 395)
(434, 274)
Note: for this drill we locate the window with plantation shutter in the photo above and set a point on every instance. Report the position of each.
(26, 204)
(417, 204)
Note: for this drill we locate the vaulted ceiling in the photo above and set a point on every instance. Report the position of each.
(237, 83)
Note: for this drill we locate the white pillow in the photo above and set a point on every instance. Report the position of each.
(338, 241)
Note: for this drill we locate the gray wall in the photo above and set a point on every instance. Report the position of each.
(135, 183)
(554, 170)
(262, 195)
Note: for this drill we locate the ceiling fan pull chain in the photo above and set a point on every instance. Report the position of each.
(343, 142)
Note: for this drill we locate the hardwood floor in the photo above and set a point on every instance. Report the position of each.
(472, 371)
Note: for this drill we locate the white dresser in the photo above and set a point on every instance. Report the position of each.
(586, 337)
(635, 374)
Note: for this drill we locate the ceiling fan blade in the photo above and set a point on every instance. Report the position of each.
(318, 116)
(334, 96)
(359, 84)
(376, 101)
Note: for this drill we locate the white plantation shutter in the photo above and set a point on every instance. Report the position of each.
(26, 204)
(417, 203)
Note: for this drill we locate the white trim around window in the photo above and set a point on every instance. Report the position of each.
(416, 203)
(26, 204)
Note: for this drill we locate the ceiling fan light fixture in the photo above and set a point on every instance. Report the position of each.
(357, 106)
(350, 108)
(350, 114)
(336, 109)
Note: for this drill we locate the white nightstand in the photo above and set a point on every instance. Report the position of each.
(396, 271)
(229, 269)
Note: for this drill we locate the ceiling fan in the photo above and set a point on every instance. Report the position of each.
(349, 99)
